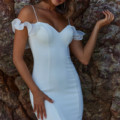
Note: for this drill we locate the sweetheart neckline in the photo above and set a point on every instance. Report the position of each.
(53, 27)
(45, 24)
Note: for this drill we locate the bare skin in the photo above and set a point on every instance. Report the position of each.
(84, 54)
(46, 13)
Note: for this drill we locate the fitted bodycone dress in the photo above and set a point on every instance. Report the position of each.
(53, 71)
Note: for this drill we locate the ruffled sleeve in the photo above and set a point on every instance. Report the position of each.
(16, 24)
(77, 34)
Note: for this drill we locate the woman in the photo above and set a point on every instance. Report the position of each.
(55, 89)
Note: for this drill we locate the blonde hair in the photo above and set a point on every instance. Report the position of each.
(68, 8)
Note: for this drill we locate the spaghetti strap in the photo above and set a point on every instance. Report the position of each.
(69, 21)
(35, 13)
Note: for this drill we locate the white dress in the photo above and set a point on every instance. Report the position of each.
(53, 70)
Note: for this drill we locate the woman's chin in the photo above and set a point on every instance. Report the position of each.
(56, 2)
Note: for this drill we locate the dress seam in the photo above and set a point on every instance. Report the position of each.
(77, 89)
(48, 62)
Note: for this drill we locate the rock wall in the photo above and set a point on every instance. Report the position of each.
(100, 79)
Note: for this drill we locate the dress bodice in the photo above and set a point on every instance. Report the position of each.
(41, 30)
(53, 71)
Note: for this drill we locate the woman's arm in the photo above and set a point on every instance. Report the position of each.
(20, 40)
(83, 54)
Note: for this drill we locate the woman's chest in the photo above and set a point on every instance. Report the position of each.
(46, 34)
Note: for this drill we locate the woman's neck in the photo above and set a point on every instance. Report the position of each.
(47, 5)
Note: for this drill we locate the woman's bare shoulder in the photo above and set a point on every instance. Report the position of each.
(26, 14)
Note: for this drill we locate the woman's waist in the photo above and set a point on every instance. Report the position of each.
(54, 82)
(52, 63)
(53, 78)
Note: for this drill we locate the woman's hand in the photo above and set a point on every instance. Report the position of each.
(109, 17)
(39, 98)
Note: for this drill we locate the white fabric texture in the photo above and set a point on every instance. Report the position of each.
(78, 34)
(53, 70)
(16, 24)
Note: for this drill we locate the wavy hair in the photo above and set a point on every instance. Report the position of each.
(68, 8)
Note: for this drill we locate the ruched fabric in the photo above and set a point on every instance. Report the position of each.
(16, 24)
(78, 34)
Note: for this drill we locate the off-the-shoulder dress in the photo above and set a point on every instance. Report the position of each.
(53, 70)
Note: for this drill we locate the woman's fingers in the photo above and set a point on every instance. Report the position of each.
(110, 16)
(106, 17)
(49, 99)
(37, 112)
(40, 106)
(41, 112)
(107, 20)
(34, 108)
(40, 109)
(44, 110)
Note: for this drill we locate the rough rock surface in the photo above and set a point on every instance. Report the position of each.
(100, 79)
